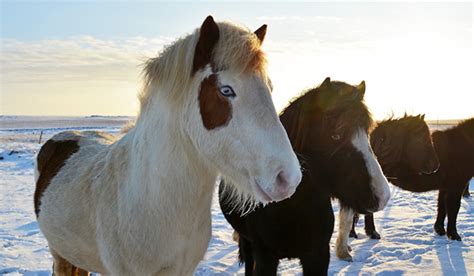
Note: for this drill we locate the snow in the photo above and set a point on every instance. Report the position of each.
(408, 244)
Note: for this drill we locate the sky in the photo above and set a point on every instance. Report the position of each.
(84, 57)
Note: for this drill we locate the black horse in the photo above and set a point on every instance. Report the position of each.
(400, 143)
(328, 129)
(455, 150)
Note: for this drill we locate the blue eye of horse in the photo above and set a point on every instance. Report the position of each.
(227, 91)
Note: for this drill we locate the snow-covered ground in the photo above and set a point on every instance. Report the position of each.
(408, 245)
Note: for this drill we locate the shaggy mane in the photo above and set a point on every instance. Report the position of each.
(413, 122)
(320, 104)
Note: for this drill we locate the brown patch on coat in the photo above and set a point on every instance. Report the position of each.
(208, 37)
(76, 271)
(62, 267)
(51, 159)
(215, 109)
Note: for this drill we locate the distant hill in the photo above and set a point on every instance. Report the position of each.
(41, 122)
(444, 122)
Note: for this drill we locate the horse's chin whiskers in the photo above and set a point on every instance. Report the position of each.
(303, 162)
(240, 202)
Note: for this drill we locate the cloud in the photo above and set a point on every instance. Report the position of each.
(315, 19)
(405, 68)
(76, 58)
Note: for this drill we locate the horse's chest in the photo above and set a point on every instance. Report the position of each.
(173, 245)
(301, 227)
(191, 241)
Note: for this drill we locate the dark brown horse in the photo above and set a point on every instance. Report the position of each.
(328, 128)
(455, 148)
(399, 144)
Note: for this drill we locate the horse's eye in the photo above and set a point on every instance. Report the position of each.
(336, 137)
(227, 91)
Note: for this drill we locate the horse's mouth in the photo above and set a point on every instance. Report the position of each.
(429, 172)
(262, 192)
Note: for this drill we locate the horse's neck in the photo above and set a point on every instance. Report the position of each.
(314, 164)
(454, 149)
(165, 171)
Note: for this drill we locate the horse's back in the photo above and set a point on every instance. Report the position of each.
(64, 157)
(64, 200)
(54, 154)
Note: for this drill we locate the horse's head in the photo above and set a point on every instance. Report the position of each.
(227, 113)
(332, 128)
(404, 142)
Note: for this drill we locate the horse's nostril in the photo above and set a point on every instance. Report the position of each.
(291, 179)
(281, 176)
(282, 181)
(285, 183)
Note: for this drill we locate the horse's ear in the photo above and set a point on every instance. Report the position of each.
(208, 37)
(327, 95)
(361, 88)
(261, 32)
(422, 116)
(326, 83)
(360, 91)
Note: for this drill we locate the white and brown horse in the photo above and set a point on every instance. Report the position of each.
(140, 205)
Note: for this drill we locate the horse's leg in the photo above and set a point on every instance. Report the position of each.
(249, 265)
(317, 263)
(466, 191)
(370, 227)
(452, 208)
(80, 272)
(246, 255)
(61, 267)
(353, 233)
(346, 216)
(266, 262)
(439, 224)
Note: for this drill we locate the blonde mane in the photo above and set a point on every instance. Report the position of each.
(238, 49)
